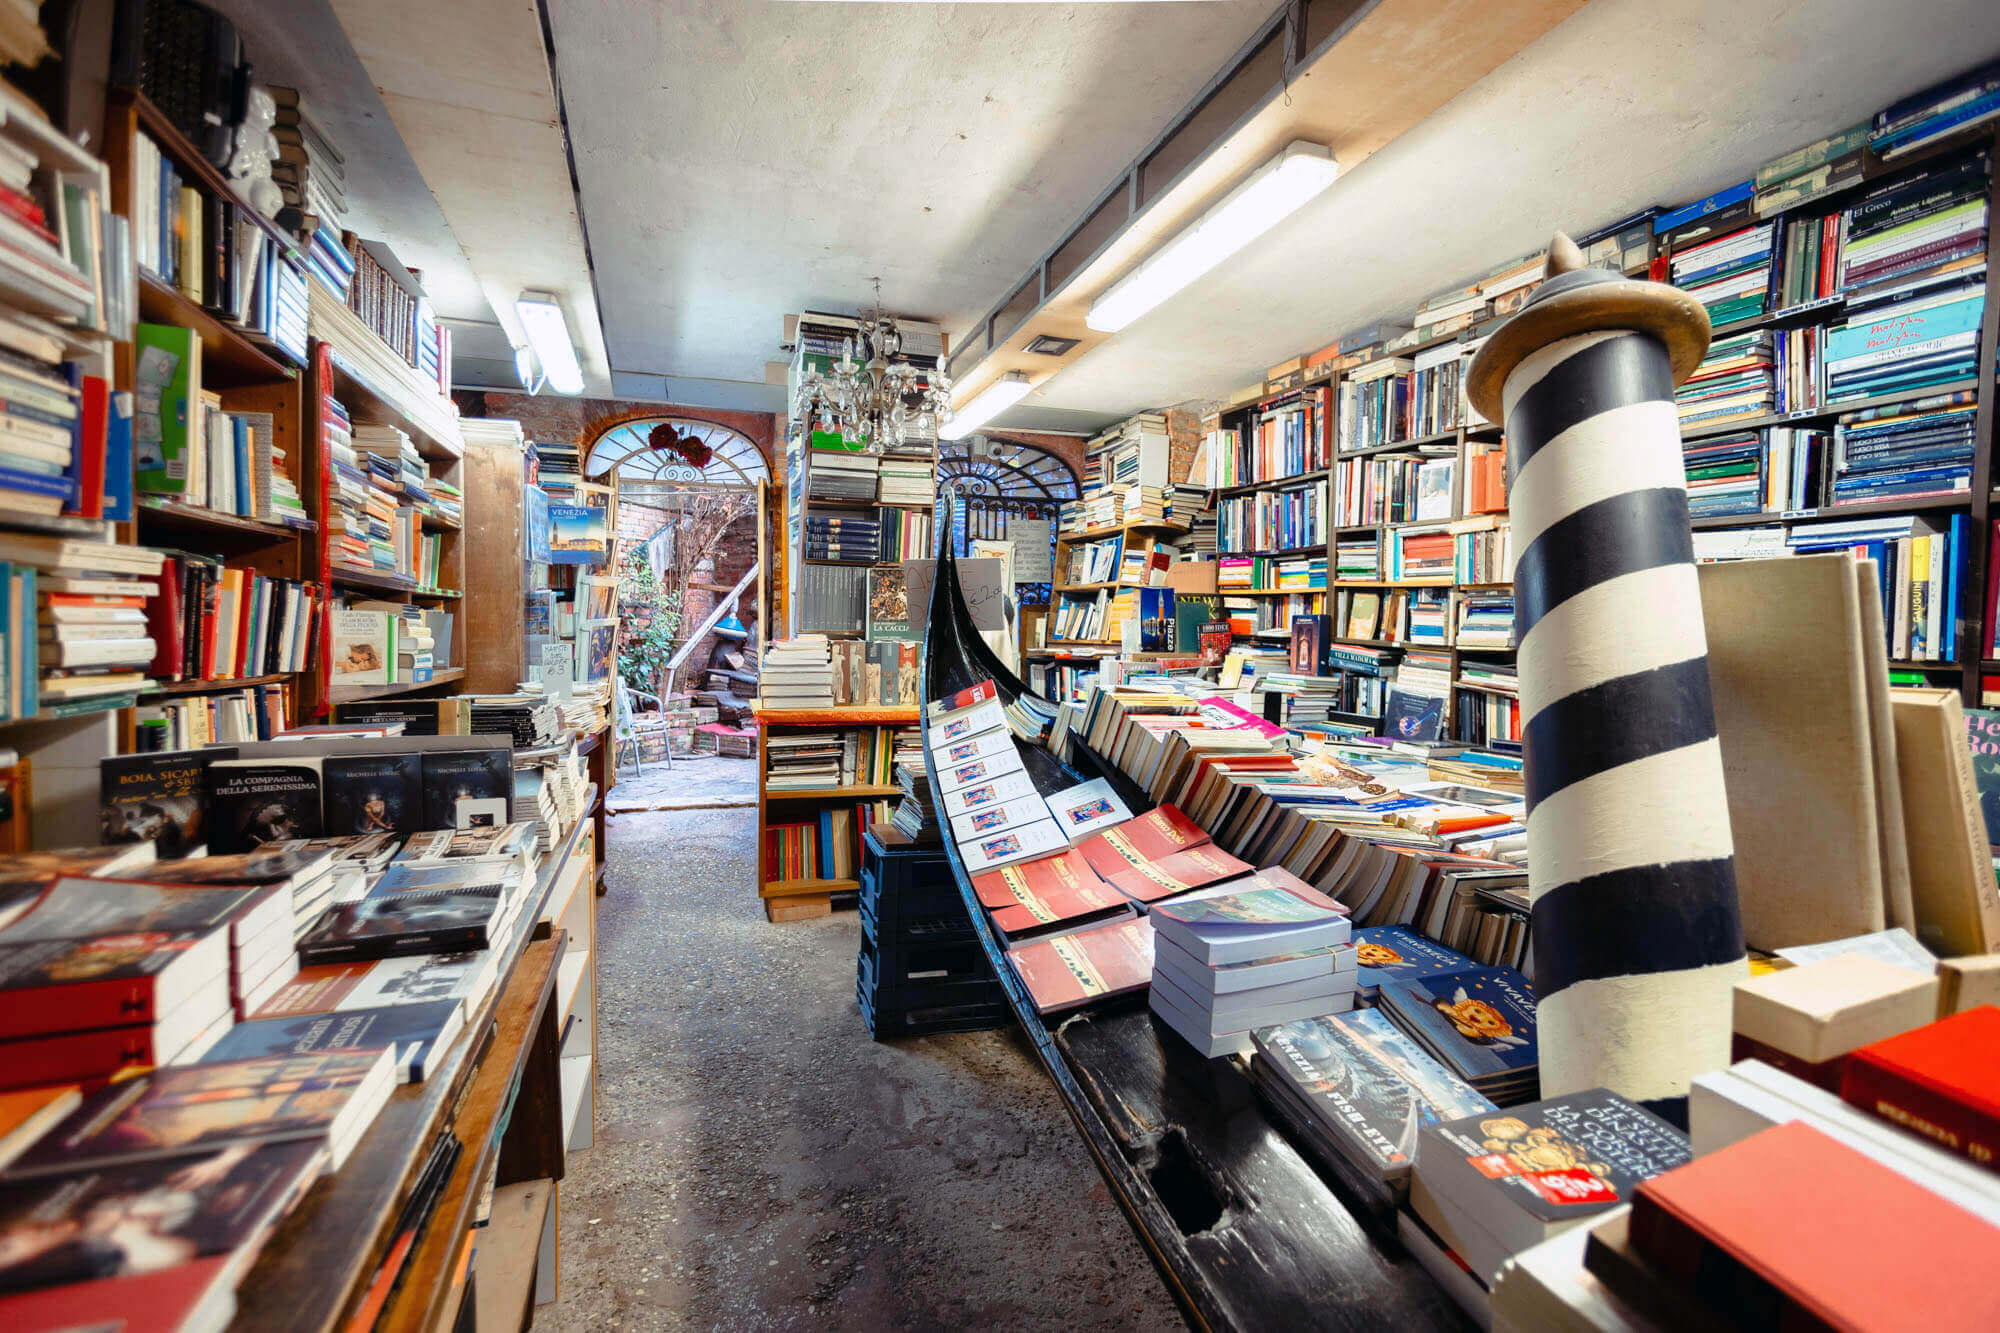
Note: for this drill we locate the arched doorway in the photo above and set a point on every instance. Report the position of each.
(1000, 481)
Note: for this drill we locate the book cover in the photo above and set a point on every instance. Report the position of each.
(1178, 872)
(1095, 963)
(984, 716)
(1311, 637)
(1410, 716)
(1982, 732)
(198, 1294)
(258, 801)
(1156, 620)
(425, 876)
(160, 798)
(1042, 892)
(1369, 1083)
(597, 650)
(166, 374)
(1480, 1021)
(272, 863)
(1016, 844)
(148, 1216)
(185, 1107)
(24, 876)
(1159, 832)
(1940, 1081)
(1086, 809)
(83, 908)
(363, 647)
(108, 981)
(1193, 611)
(889, 605)
(1216, 639)
(994, 791)
(418, 1033)
(990, 819)
(1397, 953)
(441, 921)
(1557, 1160)
(377, 793)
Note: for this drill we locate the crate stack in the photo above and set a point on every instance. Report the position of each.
(921, 969)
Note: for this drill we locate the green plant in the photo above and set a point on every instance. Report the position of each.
(652, 622)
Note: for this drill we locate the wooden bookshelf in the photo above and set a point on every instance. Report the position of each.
(809, 896)
(351, 694)
(1143, 537)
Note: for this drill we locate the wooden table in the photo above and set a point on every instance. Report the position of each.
(502, 1071)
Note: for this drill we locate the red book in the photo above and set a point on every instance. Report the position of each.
(1941, 1081)
(25, 210)
(1033, 894)
(1090, 964)
(198, 1294)
(211, 601)
(1791, 1228)
(965, 698)
(1196, 868)
(83, 1057)
(163, 625)
(1159, 832)
(94, 410)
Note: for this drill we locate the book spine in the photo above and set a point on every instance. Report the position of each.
(118, 1002)
(1928, 1112)
(1716, 1277)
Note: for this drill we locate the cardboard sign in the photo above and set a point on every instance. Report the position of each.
(558, 670)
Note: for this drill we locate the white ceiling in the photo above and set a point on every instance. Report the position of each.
(1627, 103)
(743, 159)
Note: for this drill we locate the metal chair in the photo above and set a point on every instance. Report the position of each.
(629, 725)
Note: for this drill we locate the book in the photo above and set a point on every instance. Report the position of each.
(1952, 886)
(419, 1033)
(1257, 923)
(26, 876)
(1941, 1081)
(1819, 1011)
(1064, 972)
(147, 1216)
(166, 442)
(1889, 1249)
(373, 793)
(1479, 1022)
(1397, 953)
(1364, 1085)
(1312, 636)
(437, 921)
(1021, 843)
(328, 1098)
(28, 1113)
(161, 798)
(254, 802)
(197, 1295)
(466, 978)
(451, 776)
(1177, 873)
(1159, 832)
(1087, 808)
(1500, 1182)
(1031, 895)
(363, 650)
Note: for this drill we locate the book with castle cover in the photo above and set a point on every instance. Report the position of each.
(451, 776)
(255, 802)
(157, 798)
(373, 793)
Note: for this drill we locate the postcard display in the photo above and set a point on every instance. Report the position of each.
(1631, 871)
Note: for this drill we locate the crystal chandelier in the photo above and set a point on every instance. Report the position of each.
(873, 393)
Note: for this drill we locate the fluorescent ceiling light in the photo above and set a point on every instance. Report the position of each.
(987, 404)
(542, 320)
(1267, 197)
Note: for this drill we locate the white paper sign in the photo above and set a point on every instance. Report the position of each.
(1034, 551)
(558, 669)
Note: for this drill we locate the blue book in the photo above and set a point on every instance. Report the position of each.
(1480, 1021)
(1701, 208)
(1397, 953)
(24, 633)
(35, 483)
(246, 503)
(10, 646)
(1898, 329)
(118, 457)
(1978, 109)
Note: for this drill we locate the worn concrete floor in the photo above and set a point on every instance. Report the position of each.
(762, 1164)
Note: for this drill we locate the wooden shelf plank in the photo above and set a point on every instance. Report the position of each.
(159, 512)
(362, 578)
(785, 888)
(350, 694)
(505, 1269)
(862, 791)
(1831, 513)
(229, 358)
(844, 716)
(171, 688)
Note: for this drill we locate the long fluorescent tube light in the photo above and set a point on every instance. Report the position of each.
(542, 320)
(987, 404)
(1265, 198)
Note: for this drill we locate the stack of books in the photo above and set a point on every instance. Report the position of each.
(802, 760)
(1957, 104)
(1904, 451)
(530, 720)
(796, 673)
(997, 817)
(1734, 382)
(853, 538)
(310, 170)
(534, 804)
(1730, 275)
(843, 477)
(1478, 1022)
(905, 481)
(65, 660)
(1485, 620)
(1725, 474)
(916, 814)
(1246, 956)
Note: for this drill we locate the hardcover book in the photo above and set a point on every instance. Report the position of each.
(1368, 1083)
(441, 921)
(259, 801)
(889, 605)
(1941, 1081)
(1095, 963)
(1192, 612)
(186, 1107)
(158, 798)
(1312, 635)
(1216, 639)
(146, 1216)
(375, 793)
(1479, 1021)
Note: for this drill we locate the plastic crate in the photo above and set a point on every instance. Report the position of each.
(921, 1008)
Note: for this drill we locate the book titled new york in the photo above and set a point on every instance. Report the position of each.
(438, 921)
(1941, 1081)
(373, 793)
(1032, 895)
(259, 801)
(451, 776)
(1095, 963)
(1480, 1021)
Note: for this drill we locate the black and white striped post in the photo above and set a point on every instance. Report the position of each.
(1637, 940)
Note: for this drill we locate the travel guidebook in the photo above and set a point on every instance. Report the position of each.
(1479, 1021)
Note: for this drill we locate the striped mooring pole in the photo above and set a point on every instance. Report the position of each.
(1631, 871)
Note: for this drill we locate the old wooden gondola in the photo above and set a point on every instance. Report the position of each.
(1245, 1231)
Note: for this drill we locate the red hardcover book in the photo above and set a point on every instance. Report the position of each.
(26, 211)
(1159, 832)
(1739, 1227)
(1034, 894)
(163, 624)
(1941, 1081)
(1090, 964)
(211, 601)
(83, 1057)
(1196, 868)
(94, 414)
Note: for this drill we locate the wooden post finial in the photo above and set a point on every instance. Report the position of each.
(1564, 256)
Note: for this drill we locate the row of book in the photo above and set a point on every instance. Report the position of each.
(252, 713)
(888, 479)
(1396, 398)
(1266, 573)
(1395, 488)
(1281, 440)
(389, 643)
(1280, 520)
(860, 756)
(204, 620)
(190, 448)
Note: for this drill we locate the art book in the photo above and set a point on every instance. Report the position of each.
(157, 798)
(1036, 894)
(1368, 1083)
(260, 801)
(147, 1216)
(889, 605)
(1480, 1021)
(188, 1107)
(1096, 963)
(373, 793)
(451, 776)
(1087, 808)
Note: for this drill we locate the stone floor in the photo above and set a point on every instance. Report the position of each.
(762, 1164)
(695, 781)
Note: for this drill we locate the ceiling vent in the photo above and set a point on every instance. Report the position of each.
(1046, 344)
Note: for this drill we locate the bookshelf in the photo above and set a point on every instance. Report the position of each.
(1115, 544)
(803, 897)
